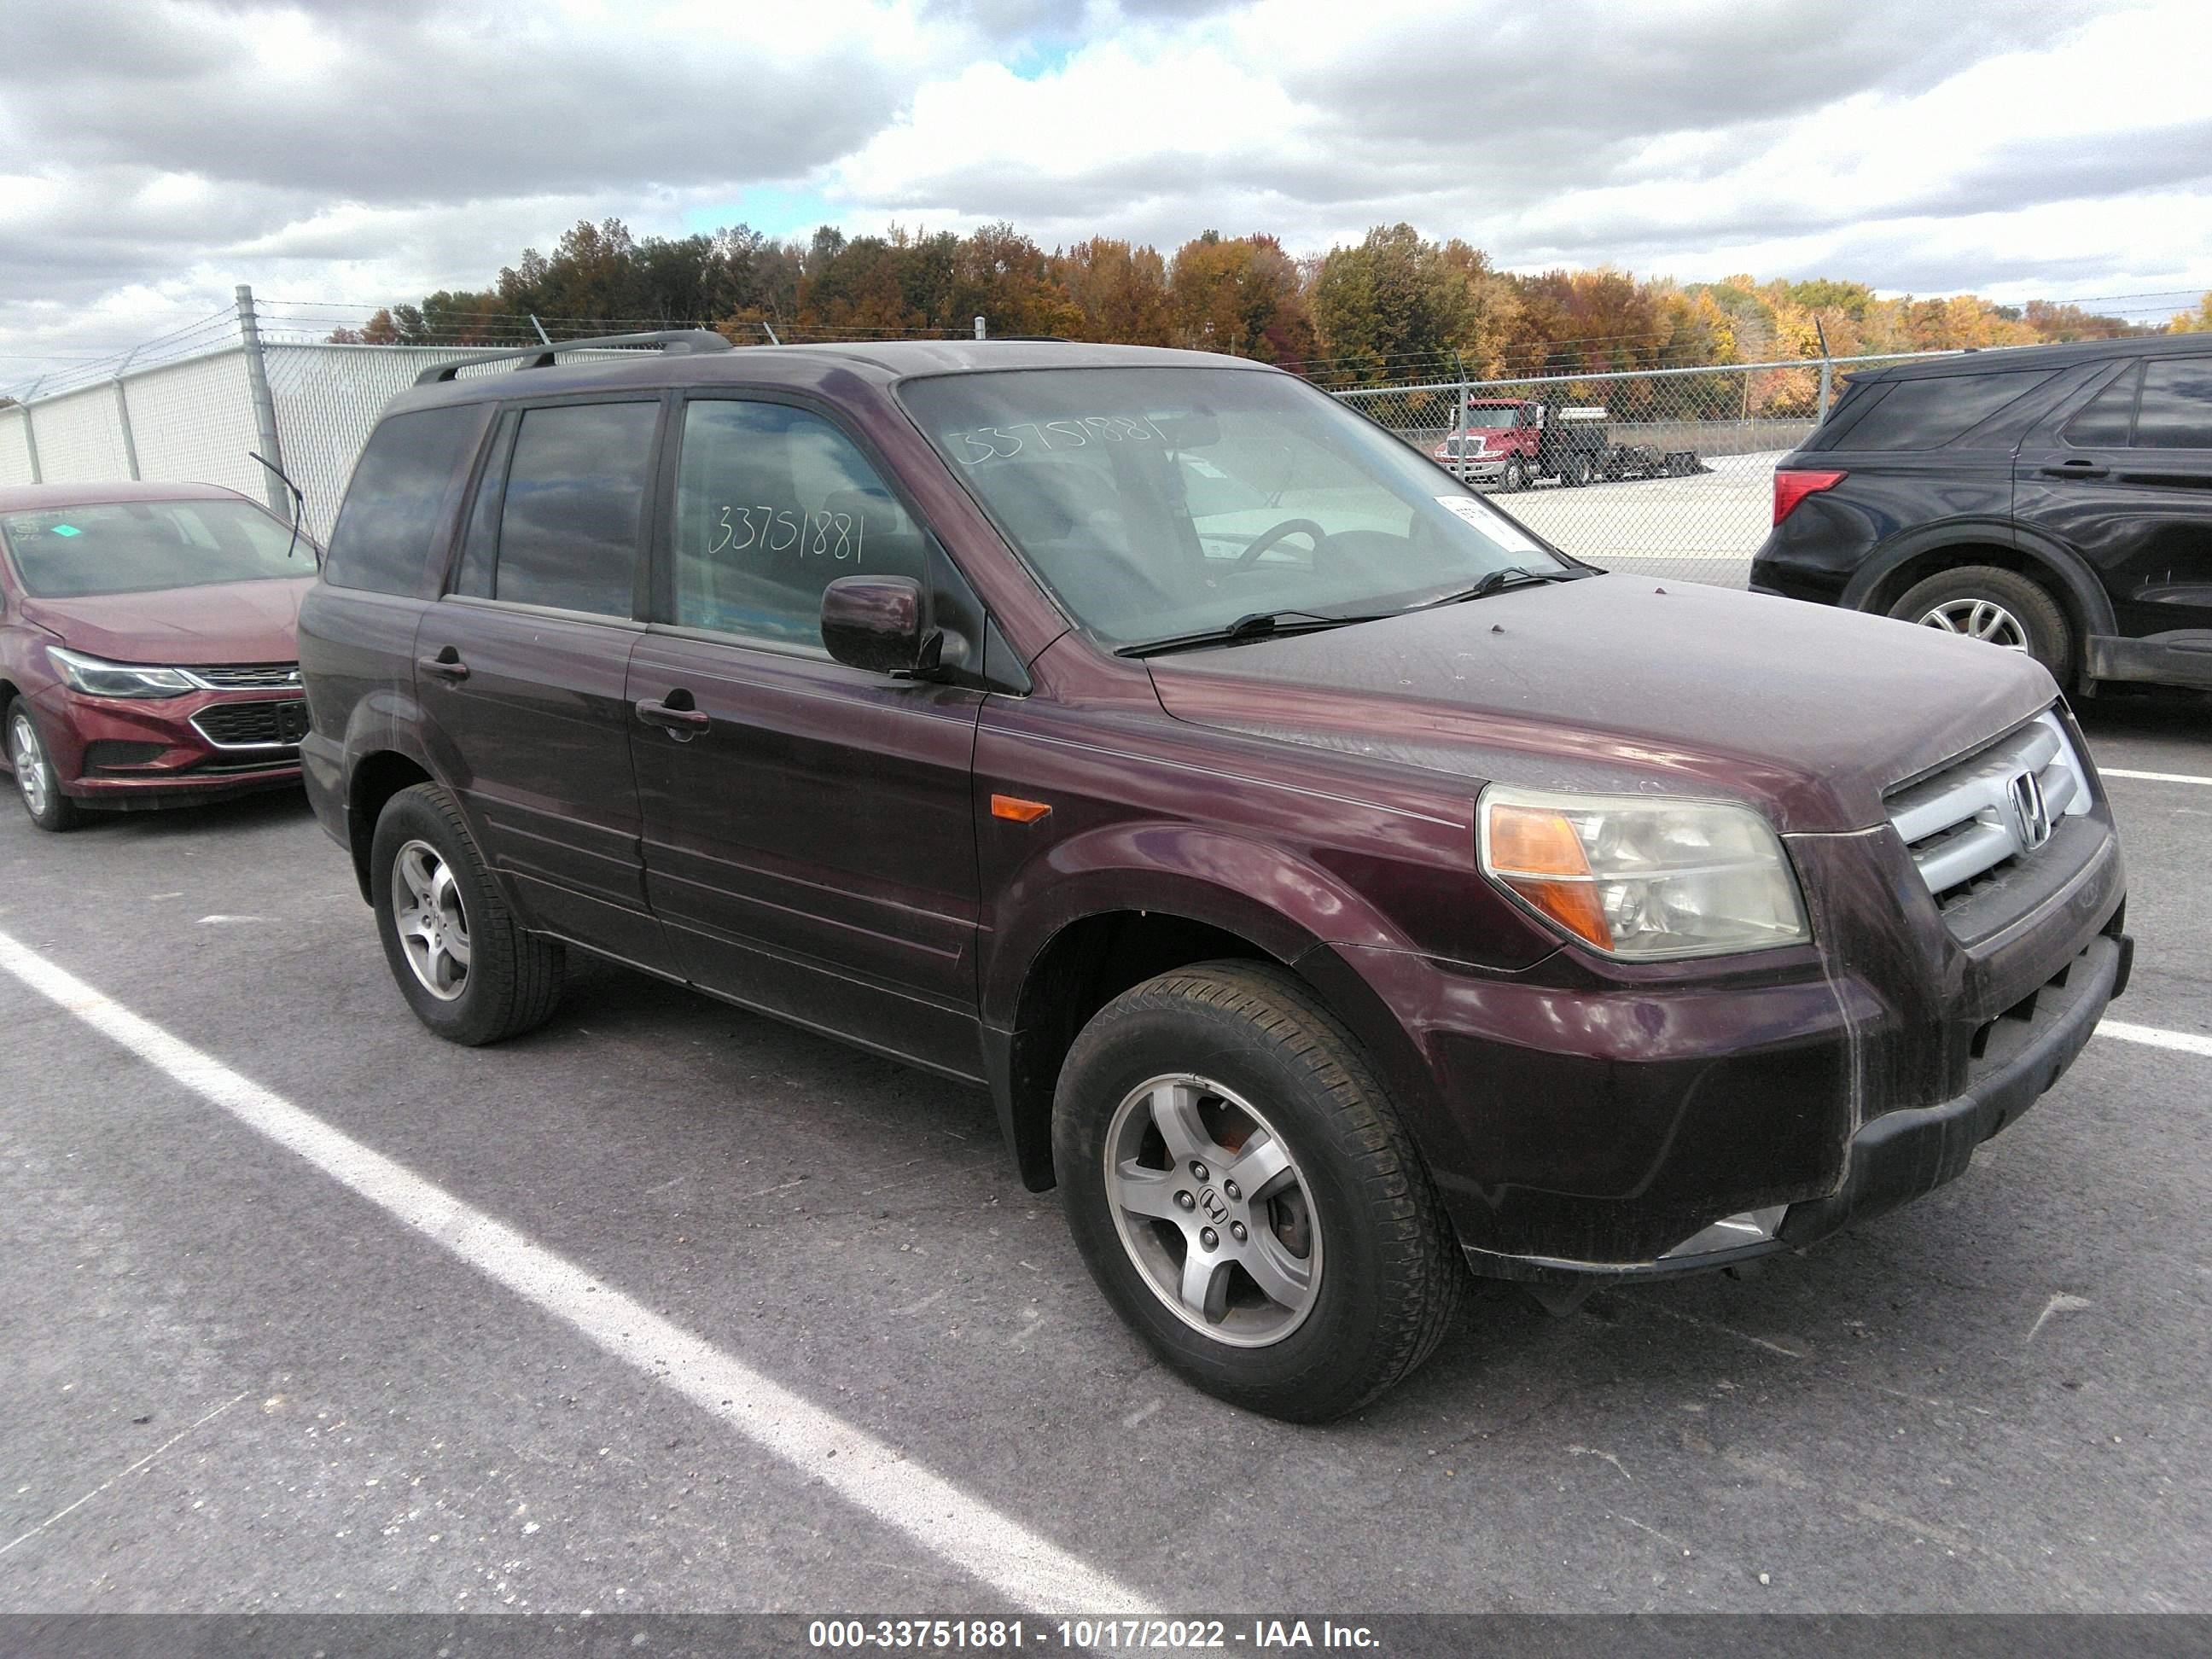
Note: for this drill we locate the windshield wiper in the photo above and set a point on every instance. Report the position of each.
(1496, 581)
(1259, 624)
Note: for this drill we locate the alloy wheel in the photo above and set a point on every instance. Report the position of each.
(433, 925)
(1978, 619)
(1213, 1210)
(29, 762)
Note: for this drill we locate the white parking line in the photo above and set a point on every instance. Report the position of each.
(963, 1530)
(2152, 1037)
(2150, 777)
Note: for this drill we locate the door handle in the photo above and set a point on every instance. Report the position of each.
(446, 664)
(681, 722)
(2076, 469)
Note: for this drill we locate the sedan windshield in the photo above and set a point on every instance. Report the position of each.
(132, 547)
(1160, 503)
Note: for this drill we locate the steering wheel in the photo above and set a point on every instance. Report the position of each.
(1267, 539)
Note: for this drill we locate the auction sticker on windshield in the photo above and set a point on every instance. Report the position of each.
(1491, 522)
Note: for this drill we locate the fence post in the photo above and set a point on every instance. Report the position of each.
(979, 328)
(1459, 443)
(1828, 371)
(31, 429)
(264, 406)
(123, 414)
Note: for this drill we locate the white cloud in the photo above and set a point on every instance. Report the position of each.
(157, 151)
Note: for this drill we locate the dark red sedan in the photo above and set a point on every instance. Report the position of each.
(146, 645)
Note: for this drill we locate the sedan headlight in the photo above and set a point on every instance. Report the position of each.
(96, 678)
(1642, 879)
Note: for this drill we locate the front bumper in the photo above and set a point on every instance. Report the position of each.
(1902, 1155)
(125, 753)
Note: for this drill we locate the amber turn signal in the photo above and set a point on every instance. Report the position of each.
(1015, 810)
(1536, 852)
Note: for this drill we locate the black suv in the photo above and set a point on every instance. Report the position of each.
(2056, 499)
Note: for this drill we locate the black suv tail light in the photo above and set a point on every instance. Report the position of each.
(1791, 487)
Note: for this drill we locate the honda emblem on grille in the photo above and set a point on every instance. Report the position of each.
(2030, 813)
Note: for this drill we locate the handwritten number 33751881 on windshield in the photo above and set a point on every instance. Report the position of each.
(1003, 443)
(824, 535)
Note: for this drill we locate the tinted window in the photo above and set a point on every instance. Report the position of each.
(134, 547)
(480, 541)
(2104, 422)
(772, 505)
(1929, 414)
(576, 497)
(2177, 405)
(398, 497)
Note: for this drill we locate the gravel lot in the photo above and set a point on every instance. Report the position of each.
(236, 1384)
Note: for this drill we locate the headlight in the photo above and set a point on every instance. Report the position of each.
(96, 678)
(1643, 878)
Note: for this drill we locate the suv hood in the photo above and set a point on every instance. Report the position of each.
(1625, 683)
(186, 627)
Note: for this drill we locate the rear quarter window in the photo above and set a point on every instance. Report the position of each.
(402, 487)
(1928, 414)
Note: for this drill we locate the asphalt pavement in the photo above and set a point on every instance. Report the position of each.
(237, 1382)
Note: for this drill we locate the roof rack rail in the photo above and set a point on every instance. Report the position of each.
(674, 341)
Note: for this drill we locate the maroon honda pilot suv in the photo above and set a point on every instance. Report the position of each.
(1336, 887)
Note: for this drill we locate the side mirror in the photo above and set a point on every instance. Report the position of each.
(880, 624)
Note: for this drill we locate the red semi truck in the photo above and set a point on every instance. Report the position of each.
(1514, 441)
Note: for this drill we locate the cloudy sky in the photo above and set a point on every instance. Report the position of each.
(153, 153)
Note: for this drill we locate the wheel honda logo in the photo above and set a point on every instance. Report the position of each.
(2030, 814)
(1215, 1205)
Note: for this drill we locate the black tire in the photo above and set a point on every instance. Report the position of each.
(38, 786)
(1515, 477)
(512, 980)
(1577, 472)
(2030, 613)
(1386, 1278)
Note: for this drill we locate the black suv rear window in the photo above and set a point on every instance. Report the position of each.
(2177, 405)
(1931, 413)
(398, 497)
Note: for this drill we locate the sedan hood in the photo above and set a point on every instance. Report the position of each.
(1625, 683)
(181, 627)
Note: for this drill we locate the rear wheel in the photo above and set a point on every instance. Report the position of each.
(2000, 607)
(36, 782)
(1244, 1194)
(467, 968)
(1577, 471)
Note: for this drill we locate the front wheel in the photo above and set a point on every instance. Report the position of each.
(36, 782)
(1999, 607)
(467, 968)
(1515, 475)
(1244, 1194)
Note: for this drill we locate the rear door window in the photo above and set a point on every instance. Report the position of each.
(772, 505)
(2105, 422)
(2176, 412)
(397, 502)
(1932, 413)
(574, 509)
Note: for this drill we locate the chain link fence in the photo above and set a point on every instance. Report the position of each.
(1664, 472)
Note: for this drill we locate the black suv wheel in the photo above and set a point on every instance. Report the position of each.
(469, 972)
(2002, 607)
(1245, 1196)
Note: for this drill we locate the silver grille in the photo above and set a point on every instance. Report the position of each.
(1967, 820)
(248, 677)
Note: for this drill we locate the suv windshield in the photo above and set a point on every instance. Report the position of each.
(132, 547)
(1159, 502)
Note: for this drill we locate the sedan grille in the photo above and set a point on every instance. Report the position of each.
(253, 725)
(248, 676)
(1995, 806)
